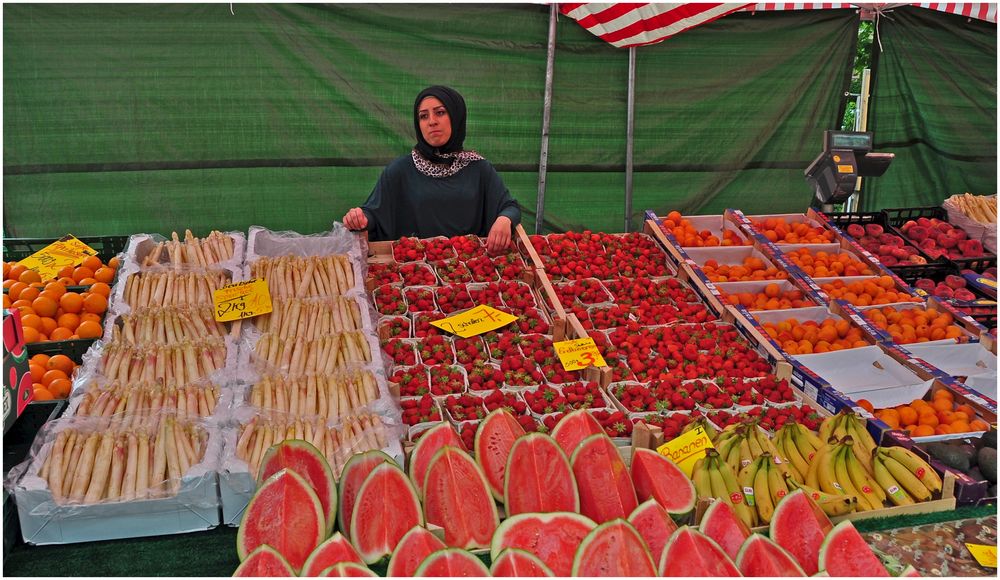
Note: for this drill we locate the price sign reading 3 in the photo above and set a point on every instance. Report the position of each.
(579, 354)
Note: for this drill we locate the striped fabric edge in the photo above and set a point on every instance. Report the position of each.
(977, 10)
(628, 25)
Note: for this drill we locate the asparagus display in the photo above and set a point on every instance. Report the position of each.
(327, 396)
(322, 355)
(212, 249)
(167, 326)
(127, 404)
(183, 362)
(292, 276)
(168, 288)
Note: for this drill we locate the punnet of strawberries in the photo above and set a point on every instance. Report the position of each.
(453, 298)
(447, 379)
(439, 249)
(394, 327)
(468, 247)
(502, 344)
(517, 295)
(383, 273)
(672, 424)
(417, 274)
(420, 410)
(401, 352)
(469, 350)
(537, 345)
(389, 300)
(497, 399)
(486, 294)
(452, 271)
(774, 390)
(484, 376)
(467, 433)
(614, 423)
(435, 350)
(420, 299)
(413, 381)
(519, 371)
(482, 269)
(510, 266)
(465, 407)
(407, 249)
(532, 321)
(605, 317)
(772, 418)
(422, 323)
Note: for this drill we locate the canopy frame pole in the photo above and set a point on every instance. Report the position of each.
(543, 162)
(630, 139)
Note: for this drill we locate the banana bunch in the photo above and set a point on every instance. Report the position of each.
(798, 445)
(764, 485)
(740, 444)
(714, 478)
(837, 470)
(904, 477)
(704, 424)
(847, 423)
(832, 504)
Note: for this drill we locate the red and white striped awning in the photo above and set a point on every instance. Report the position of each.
(636, 24)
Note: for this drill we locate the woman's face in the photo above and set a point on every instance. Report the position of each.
(435, 124)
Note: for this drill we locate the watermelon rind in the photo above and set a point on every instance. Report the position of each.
(756, 543)
(567, 500)
(468, 565)
(800, 535)
(334, 550)
(477, 495)
(856, 560)
(494, 461)
(654, 524)
(716, 557)
(401, 564)
(573, 424)
(346, 569)
(393, 515)
(503, 566)
(668, 484)
(909, 572)
(720, 523)
(632, 546)
(293, 537)
(350, 482)
(279, 566)
(317, 473)
(550, 526)
(619, 483)
(430, 442)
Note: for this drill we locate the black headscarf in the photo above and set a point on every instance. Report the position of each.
(455, 105)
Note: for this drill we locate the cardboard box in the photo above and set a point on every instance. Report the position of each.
(714, 224)
(967, 491)
(17, 380)
(971, 331)
(971, 363)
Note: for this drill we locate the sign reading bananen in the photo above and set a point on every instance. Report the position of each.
(687, 449)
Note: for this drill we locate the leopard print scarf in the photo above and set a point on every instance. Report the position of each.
(458, 162)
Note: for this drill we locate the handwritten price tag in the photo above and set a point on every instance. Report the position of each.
(687, 449)
(579, 354)
(475, 321)
(66, 251)
(985, 555)
(242, 300)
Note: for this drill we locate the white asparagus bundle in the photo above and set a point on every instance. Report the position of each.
(184, 362)
(148, 461)
(168, 325)
(355, 434)
(981, 208)
(167, 288)
(293, 276)
(311, 318)
(212, 249)
(125, 404)
(327, 396)
(323, 355)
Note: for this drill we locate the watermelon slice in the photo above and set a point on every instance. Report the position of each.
(429, 443)
(613, 549)
(286, 515)
(264, 561)
(800, 526)
(355, 471)
(552, 537)
(456, 497)
(413, 549)
(514, 563)
(347, 569)
(606, 490)
(333, 551)
(656, 476)
(494, 439)
(304, 459)
(654, 525)
(453, 563)
(760, 556)
(539, 478)
(909, 572)
(845, 553)
(573, 428)
(692, 553)
(721, 524)
(385, 509)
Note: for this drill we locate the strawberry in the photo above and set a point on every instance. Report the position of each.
(417, 274)
(496, 399)
(447, 379)
(545, 400)
(452, 271)
(468, 434)
(419, 410)
(487, 294)
(509, 266)
(383, 273)
(516, 295)
(531, 321)
(615, 423)
(420, 299)
(394, 327)
(529, 424)
(407, 249)
(401, 352)
(389, 300)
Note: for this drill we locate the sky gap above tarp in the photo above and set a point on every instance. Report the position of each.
(625, 25)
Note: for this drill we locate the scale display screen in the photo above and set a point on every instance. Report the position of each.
(839, 140)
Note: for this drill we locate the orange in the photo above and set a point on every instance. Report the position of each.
(40, 359)
(45, 306)
(959, 416)
(92, 262)
(890, 417)
(87, 281)
(89, 329)
(32, 321)
(979, 425)
(943, 430)
(52, 375)
(942, 404)
(82, 272)
(15, 289)
(48, 325)
(36, 370)
(100, 288)
(71, 302)
(29, 294)
(61, 362)
(105, 275)
(29, 276)
(58, 288)
(943, 393)
(43, 394)
(91, 317)
(969, 411)
(907, 415)
(60, 388)
(95, 304)
(7, 302)
(929, 419)
(61, 333)
(960, 427)
(866, 405)
(69, 321)
(16, 270)
(922, 431)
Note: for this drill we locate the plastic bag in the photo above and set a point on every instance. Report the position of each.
(215, 249)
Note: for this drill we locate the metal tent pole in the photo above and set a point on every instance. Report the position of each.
(629, 138)
(543, 161)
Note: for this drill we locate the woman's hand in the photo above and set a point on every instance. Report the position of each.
(499, 238)
(355, 219)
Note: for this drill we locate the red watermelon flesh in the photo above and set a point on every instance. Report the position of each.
(760, 556)
(430, 443)
(613, 549)
(654, 525)
(494, 439)
(413, 549)
(800, 526)
(721, 524)
(457, 498)
(355, 471)
(552, 537)
(692, 553)
(845, 553)
(347, 569)
(284, 514)
(452, 563)
(657, 476)
(334, 550)
(514, 563)
(266, 562)
(573, 428)
(606, 490)
(303, 458)
(539, 478)
(385, 509)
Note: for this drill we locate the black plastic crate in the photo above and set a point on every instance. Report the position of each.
(16, 249)
(74, 349)
(898, 216)
(977, 265)
(842, 220)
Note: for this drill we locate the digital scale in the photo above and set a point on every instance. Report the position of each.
(846, 156)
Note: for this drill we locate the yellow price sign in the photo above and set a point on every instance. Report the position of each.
(66, 251)
(687, 449)
(985, 555)
(579, 354)
(242, 300)
(475, 321)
